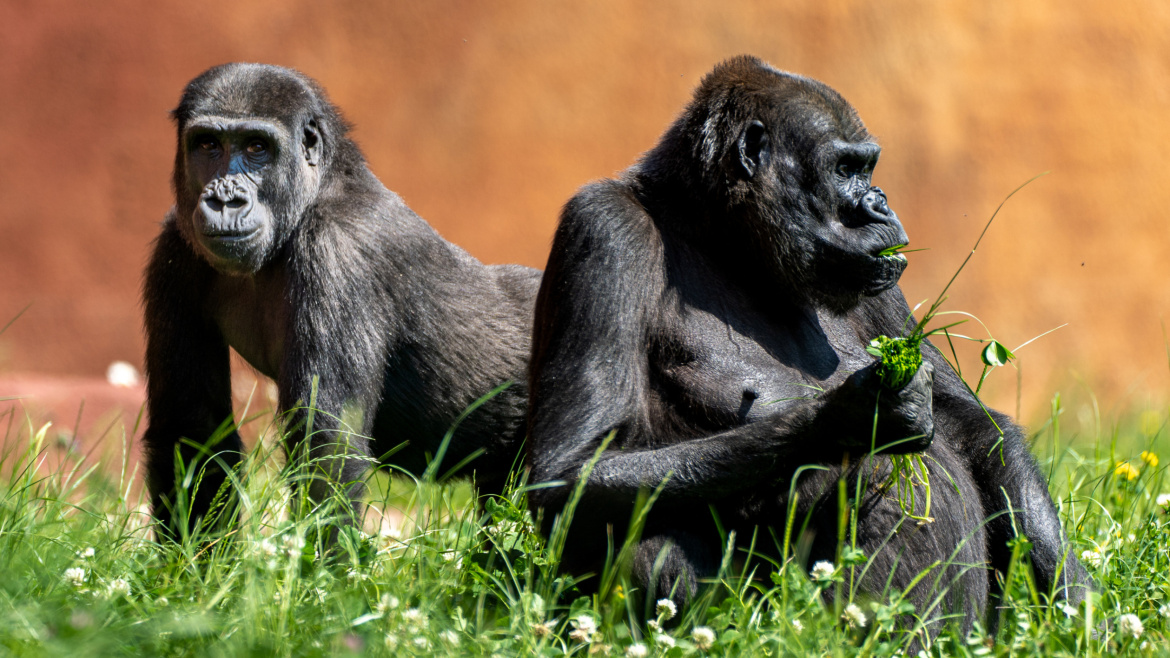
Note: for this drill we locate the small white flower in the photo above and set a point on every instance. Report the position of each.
(584, 628)
(162, 601)
(703, 637)
(421, 642)
(75, 576)
(1092, 558)
(391, 641)
(581, 636)
(653, 625)
(387, 603)
(1163, 500)
(86, 553)
(1068, 610)
(586, 623)
(450, 637)
(266, 548)
(823, 570)
(541, 630)
(119, 586)
(1129, 625)
(853, 616)
(415, 619)
(122, 375)
(1164, 610)
(637, 651)
(664, 640)
(797, 626)
(665, 609)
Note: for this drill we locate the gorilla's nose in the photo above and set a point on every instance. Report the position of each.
(875, 202)
(225, 205)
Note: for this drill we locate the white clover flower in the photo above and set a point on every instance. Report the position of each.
(1092, 558)
(86, 553)
(163, 601)
(541, 630)
(1068, 610)
(586, 623)
(391, 641)
(294, 544)
(1129, 625)
(450, 637)
(415, 619)
(653, 625)
(853, 616)
(119, 586)
(637, 651)
(665, 609)
(75, 576)
(266, 548)
(665, 640)
(122, 375)
(581, 636)
(421, 642)
(823, 570)
(1163, 500)
(1164, 610)
(703, 637)
(385, 604)
(797, 626)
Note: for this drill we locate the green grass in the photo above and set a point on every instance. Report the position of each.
(80, 575)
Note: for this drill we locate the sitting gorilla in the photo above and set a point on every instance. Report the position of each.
(284, 246)
(711, 308)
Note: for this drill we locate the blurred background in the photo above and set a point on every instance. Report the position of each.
(486, 117)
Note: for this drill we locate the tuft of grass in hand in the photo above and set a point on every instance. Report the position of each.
(900, 359)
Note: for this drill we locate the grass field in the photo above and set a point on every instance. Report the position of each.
(81, 576)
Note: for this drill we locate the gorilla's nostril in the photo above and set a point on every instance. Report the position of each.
(213, 203)
(236, 202)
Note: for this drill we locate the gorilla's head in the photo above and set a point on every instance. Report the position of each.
(784, 161)
(255, 143)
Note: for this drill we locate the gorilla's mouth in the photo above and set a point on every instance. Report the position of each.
(892, 252)
(231, 236)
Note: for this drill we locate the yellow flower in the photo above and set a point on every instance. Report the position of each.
(1150, 458)
(1126, 470)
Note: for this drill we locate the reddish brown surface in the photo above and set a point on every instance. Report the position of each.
(487, 116)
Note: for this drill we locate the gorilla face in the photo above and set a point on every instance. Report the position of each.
(831, 232)
(246, 180)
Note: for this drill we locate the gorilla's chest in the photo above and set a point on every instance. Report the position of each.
(728, 369)
(252, 314)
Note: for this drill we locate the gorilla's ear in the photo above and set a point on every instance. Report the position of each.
(754, 149)
(311, 143)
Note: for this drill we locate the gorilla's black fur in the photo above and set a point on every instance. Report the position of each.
(284, 246)
(712, 307)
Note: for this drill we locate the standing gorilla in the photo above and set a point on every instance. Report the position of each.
(711, 308)
(284, 246)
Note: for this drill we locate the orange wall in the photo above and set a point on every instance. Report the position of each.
(487, 116)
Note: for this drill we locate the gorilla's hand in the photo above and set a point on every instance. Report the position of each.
(905, 421)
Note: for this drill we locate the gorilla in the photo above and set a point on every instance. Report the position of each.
(285, 247)
(710, 309)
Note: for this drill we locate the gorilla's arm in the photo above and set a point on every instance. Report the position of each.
(188, 379)
(335, 344)
(599, 302)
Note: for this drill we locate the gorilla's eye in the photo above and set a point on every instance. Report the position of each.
(257, 147)
(206, 143)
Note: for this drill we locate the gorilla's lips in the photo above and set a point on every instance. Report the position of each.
(893, 252)
(229, 245)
